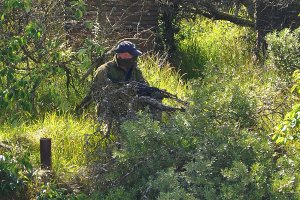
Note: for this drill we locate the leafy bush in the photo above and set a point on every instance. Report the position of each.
(39, 71)
(51, 190)
(168, 185)
(242, 109)
(192, 157)
(283, 49)
(15, 173)
(288, 130)
(143, 148)
(287, 138)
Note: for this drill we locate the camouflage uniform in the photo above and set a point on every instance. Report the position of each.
(108, 77)
(110, 73)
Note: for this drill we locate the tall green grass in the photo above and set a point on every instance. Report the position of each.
(159, 73)
(203, 41)
(68, 139)
(220, 53)
(68, 132)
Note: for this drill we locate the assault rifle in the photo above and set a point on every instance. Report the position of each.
(144, 90)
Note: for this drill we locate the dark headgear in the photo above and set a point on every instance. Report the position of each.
(127, 46)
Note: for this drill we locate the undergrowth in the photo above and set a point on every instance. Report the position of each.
(220, 148)
(67, 134)
(203, 41)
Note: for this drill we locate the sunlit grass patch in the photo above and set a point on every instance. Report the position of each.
(203, 41)
(159, 73)
(67, 135)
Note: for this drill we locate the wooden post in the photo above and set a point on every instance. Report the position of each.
(45, 153)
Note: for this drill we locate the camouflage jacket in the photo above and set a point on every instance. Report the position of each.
(107, 77)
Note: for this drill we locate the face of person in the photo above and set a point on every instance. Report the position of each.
(125, 55)
(125, 60)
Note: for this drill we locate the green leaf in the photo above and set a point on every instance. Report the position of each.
(280, 140)
(88, 24)
(27, 6)
(274, 137)
(23, 41)
(81, 53)
(294, 88)
(78, 14)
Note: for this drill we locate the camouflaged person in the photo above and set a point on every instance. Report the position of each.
(112, 75)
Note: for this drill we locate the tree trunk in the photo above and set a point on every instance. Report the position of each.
(273, 16)
(260, 27)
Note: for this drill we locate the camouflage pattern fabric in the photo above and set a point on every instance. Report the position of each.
(108, 78)
(117, 99)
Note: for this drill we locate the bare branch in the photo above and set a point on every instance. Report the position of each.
(218, 15)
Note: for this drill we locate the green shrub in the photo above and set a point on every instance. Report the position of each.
(288, 130)
(15, 173)
(51, 190)
(194, 156)
(284, 49)
(144, 147)
(167, 185)
(119, 193)
(39, 71)
(242, 109)
(286, 180)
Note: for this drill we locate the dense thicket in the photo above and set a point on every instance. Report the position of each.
(239, 138)
(36, 59)
(224, 146)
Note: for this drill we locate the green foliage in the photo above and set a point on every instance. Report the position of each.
(284, 48)
(286, 136)
(39, 70)
(218, 149)
(169, 186)
(145, 148)
(15, 173)
(51, 190)
(220, 168)
(288, 130)
(194, 157)
(158, 73)
(118, 194)
(242, 109)
(286, 179)
(202, 41)
(77, 8)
